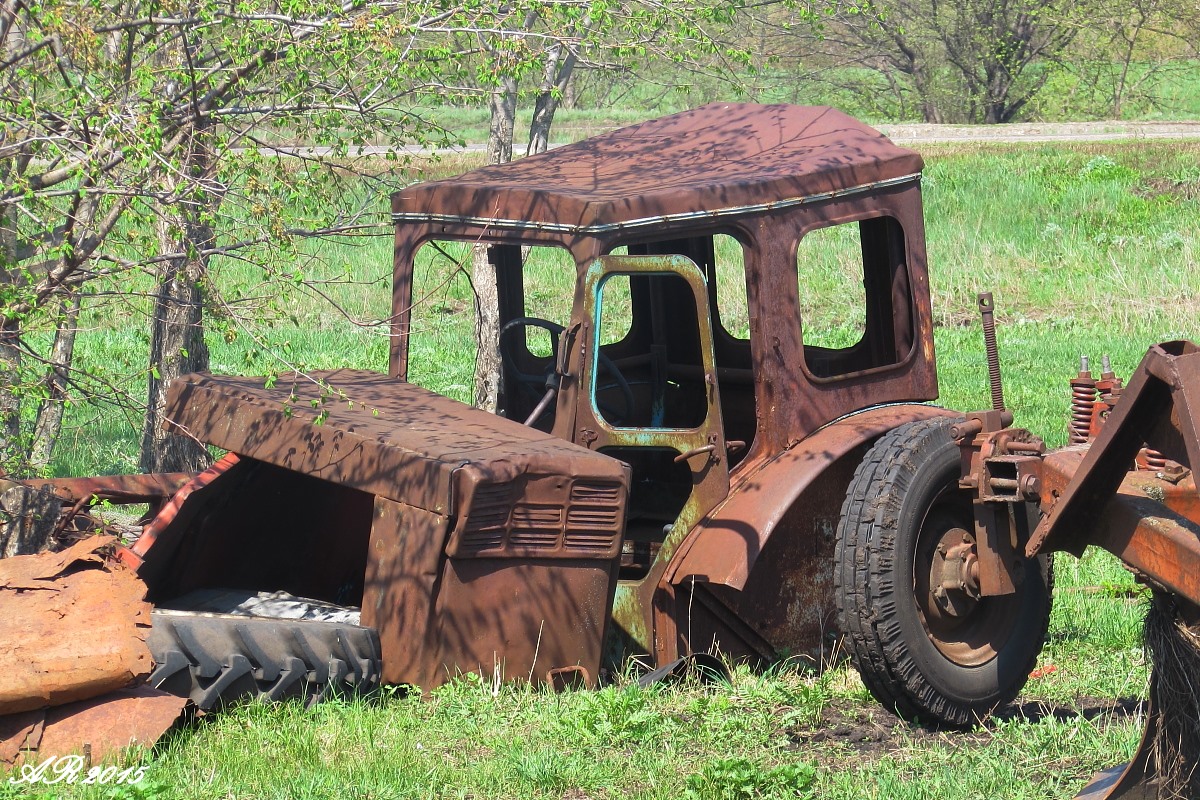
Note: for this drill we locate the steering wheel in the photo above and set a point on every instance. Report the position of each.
(546, 382)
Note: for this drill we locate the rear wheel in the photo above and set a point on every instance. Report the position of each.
(926, 644)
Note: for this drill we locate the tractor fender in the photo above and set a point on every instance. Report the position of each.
(723, 547)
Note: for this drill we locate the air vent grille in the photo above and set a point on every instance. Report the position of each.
(553, 518)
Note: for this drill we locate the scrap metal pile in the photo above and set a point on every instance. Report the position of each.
(74, 657)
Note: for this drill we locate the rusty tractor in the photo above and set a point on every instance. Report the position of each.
(691, 465)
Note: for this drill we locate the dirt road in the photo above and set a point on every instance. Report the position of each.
(901, 133)
(1040, 132)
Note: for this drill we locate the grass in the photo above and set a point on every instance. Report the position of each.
(1089, 249)
(757, 736)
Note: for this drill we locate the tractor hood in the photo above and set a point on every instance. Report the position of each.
(376, 434)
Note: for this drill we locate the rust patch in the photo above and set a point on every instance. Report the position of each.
(74, 626)
(18, 732)
(701, 162)
(128, 489)
(99, 727)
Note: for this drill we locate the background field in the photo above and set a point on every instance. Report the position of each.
(1089, 249)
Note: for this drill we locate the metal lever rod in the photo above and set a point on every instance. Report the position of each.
(986, 309)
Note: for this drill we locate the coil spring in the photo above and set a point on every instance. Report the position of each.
(1083, 400)
(1155, 461)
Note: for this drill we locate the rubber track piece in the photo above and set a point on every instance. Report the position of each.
(217, 659)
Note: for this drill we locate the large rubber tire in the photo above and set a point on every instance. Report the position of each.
(915, 658)
(216, 659)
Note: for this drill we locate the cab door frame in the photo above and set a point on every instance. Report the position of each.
(644, 608)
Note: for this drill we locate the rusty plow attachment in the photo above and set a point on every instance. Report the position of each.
(1125, 484)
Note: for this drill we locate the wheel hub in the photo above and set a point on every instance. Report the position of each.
(954, 573)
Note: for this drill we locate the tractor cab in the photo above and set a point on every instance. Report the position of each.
(677, 333)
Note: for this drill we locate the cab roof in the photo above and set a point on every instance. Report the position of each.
(722, 159)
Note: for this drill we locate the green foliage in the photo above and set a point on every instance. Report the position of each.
(1105, 168)
(742, 779)
(988, 61)
(617, 715)
(134, 141)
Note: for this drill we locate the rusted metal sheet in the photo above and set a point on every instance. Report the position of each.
(512, 619)
(250, 525)
(132, 556)
(473, 543)
(1157, 543)
(72, 644)
(720, 158)
(99, 727)
(1151, 524)
(74, 626)
(18, 732)
(131, 489)
(518, 584)
(758, 570)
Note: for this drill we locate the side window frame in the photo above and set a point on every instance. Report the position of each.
(888, 299)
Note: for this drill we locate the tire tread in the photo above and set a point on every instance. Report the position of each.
(218, 659)
(866, 594)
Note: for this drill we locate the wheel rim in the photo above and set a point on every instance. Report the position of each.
(966, 629)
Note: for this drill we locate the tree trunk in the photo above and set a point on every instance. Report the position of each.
(177, 335)
(483, 273)
(50, 413)
(503, 107)
(930, 111)
(487, 329)
(28, 519)
(12, 453)
(560, 65)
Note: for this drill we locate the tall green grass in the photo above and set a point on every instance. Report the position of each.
(759, 736)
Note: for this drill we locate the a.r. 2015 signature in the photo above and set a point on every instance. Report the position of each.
(70, 769)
